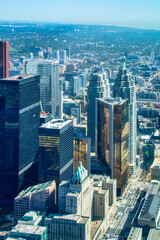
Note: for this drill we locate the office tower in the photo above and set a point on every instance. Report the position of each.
(28, 232)
(4, 59)
(68, 52)
(40, 197)
(63, 55)
(112, 127)
(75, 85)
(56, 151)
(98, 88)
(75, 196)
(56, 54)
(19, 110)
(100, 203)
(67, 227)
(49, 84)
(124, 87)
(81, 150)
(61, 98)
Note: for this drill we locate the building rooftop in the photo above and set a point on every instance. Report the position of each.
(150, 208)
(18, 77)
(80, 174)
(56, 124)
(36, 188)
(69, 217)
(78, 134)
(32, 217)
(154, 234)
(134, 233)
(28, 229)
(113, 101)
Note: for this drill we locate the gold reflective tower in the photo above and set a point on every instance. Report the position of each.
(112, 137)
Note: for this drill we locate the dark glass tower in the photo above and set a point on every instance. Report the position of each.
(56, 151)
(19, 123)
(4, 59)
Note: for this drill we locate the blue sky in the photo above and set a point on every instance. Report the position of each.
(134, 13)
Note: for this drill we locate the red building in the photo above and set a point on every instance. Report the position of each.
(4, 59)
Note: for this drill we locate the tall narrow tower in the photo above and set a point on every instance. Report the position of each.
(4, 59)
(98, 88)
(125, 88)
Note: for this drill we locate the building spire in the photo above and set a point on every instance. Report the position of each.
(124, 63)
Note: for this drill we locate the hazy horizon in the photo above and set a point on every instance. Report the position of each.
(142, 14)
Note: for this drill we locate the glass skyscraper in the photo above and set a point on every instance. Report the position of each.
(49, 84)
(112, 128)
(125, 88)
(98, 88)
(56, 151)
(19, 108)
(4, 59)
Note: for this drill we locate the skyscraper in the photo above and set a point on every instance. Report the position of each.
(49, 84)
(4, 59)
(125, 88)
(56, 151)
(98, 88)
(112, 137)
(19, 108)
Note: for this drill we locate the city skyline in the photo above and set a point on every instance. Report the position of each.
(136, 14)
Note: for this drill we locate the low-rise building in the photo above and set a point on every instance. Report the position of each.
(67, 227)
(25, 232)
(154, 234)
(150, 212)
(40, 197)
(135, 234)
(35, 218)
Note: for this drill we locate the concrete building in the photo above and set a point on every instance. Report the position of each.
(28, 232)
(150, 212)
(155, 167)
(35, 218)
(98, 88)
(40, 197)
(125, 88)
(112, 136)
(154, 234)
(49, 83)
(111, 185)
(56, 151)
(79, 197)
(67, 227)
(81, 150)
(135, 234)
(100, 203)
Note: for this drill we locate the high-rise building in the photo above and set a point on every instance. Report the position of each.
(98, 88)
(19, 123)
(56, 54)
(49, 84)
(112, 127)
(63, 55)
(75, 85)
(124, 87)
(4, 59)
(56, 151)
(81, 150)
(40, 197)
(68, 52)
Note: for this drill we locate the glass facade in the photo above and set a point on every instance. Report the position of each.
(55, 152)
(19, 106)
(112, 138)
